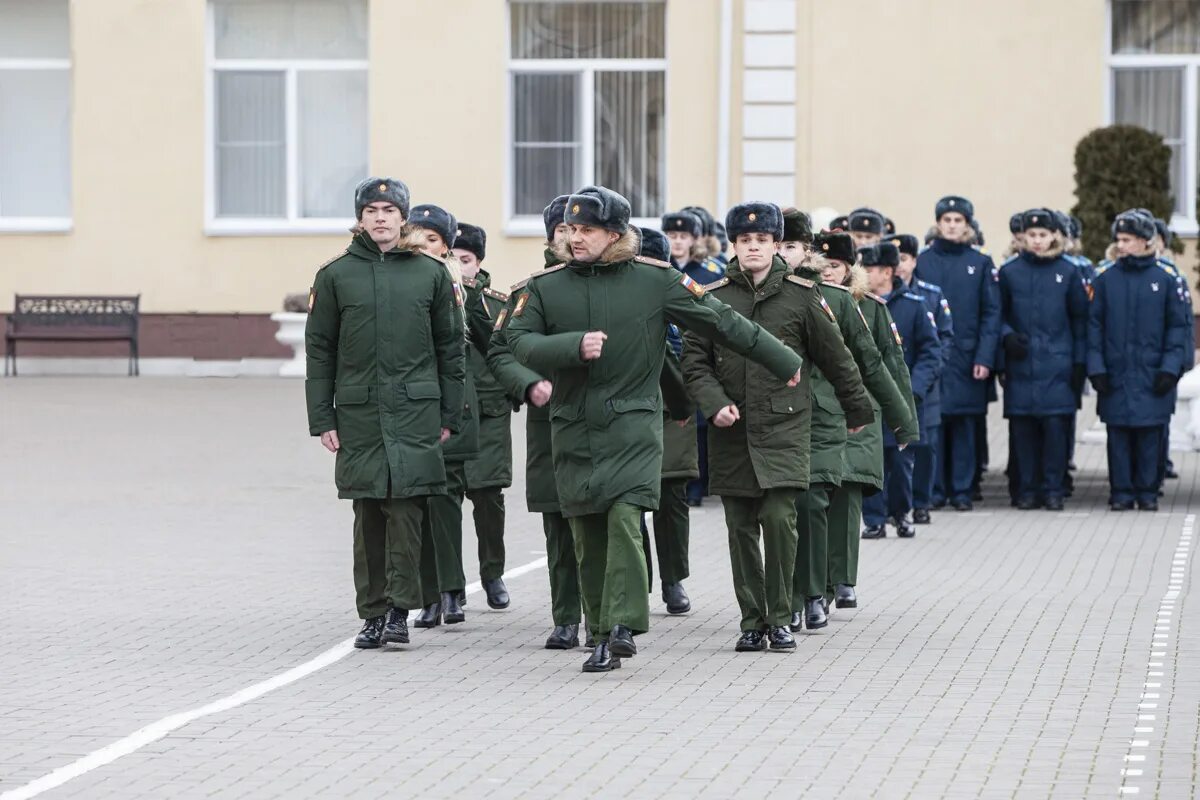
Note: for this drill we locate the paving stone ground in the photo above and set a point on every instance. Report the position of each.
(165, 543)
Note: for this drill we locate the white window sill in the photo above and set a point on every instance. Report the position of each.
(277, 227)
(36, 224)
(534, 227)
(1185, 226)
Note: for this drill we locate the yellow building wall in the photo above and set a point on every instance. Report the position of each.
(908, 101)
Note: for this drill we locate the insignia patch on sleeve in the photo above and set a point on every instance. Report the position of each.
(500, 319)
(521, 302)
(312, 299)
(691, 285)
(946, 306)
(896, 334)
(932, 321)
(828, 311)
(458, 297)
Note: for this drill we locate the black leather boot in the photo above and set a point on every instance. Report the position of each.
(781, 638)
(430, 616)
(601, 660)
(751, 642)
(372, 631)
(921, 516)
(497, 593)
(797, 622)
(844, 596)
(676, 598)
(563, 637)
(815, 613)
(395, 627)
(905, 529)
(875, 532)
(452, 612)
(620, 641)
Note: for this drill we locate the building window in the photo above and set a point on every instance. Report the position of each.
(588, 104)
(35, 115)
(287, 114)
(1155, 58)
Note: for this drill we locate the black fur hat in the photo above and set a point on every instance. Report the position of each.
(471, 238)
(683, 221)
(866, 221)
(906, 243)
(381, 190)
(599, 207)
(1014, 223)
(839, 223)
(754, 217)
(655, 245)
(835, 245)
(797, 226)
(1134, 223)
(708, 224)
(1164, 230)
(974, 223)
(884, 254)
(889, 227)
(951, 203)
(553, 215)
(436, 219)
(1040, 218)
(1076, 227)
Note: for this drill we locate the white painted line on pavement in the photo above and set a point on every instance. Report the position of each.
(157, 730)
(1155, 669)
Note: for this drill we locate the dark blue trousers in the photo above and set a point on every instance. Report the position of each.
(698, 487)
(1040, 445)
(896, 499)
(924, 468)
(956, 456)
(1133, 462)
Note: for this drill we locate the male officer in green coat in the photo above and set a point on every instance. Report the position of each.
(759, 430)
(491, 473)
(596, 327)
(828, 437)
(384, 389)
(541, 494)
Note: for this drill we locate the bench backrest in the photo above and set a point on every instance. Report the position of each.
(58, 311)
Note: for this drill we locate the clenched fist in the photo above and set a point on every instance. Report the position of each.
(539, 393)
(726, 416)
(330, 440)
(591, 345)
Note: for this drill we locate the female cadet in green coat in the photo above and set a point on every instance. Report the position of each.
(382, 397)
(828, 437)
(758, 436)
(596, 326)
(443, 583)
(541, 494)
(863, 456)
(491, 473)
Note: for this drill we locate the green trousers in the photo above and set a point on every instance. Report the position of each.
(441, 539)
(671, 533)
(763, 582)
(387, 554)
(612, 570)
(845, 529)
(488, 511)
(563, 569)
(812, 546)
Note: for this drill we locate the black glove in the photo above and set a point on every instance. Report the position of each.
(1164, 382)
(1100, 383)
(1016, 346)
(1078, 376)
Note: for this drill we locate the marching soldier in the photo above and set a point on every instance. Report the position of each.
(491, 473)
(828, 433)
(595, 325)
(385, 385)
(759, 431)
(866, 226)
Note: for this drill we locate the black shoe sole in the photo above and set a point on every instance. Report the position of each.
(450, 619)
(905, 535)
(497, 606)
(622, 649)
(737, 648)
(614, 664)
(845, 604)
(367, 645)
(786, 648)
(680, 610)
(559, 644)
(813, 627)
(394, 640)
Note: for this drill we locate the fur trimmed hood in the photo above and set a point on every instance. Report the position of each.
(1112, 254)
(1058, 246)
(857, 281)
(625, 248)
(968, 236)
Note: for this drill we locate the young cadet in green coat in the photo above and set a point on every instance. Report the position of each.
(541, 494)
(828, 436)
(596, 327)
(443, 583)
(758, 437)
(863, 456)
(491, 473)
(385, 383)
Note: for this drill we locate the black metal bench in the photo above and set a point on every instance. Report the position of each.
(60, 318)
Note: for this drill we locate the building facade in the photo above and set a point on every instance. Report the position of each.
(203, 153)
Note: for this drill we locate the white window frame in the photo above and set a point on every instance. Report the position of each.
(1181, 224)
(584, 70)
(292, 223)
(39, 224)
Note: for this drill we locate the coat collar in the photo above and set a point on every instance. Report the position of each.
(770, 284)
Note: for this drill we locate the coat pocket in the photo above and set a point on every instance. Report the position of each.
(423, 390)
(352, 395)
(623, 405)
